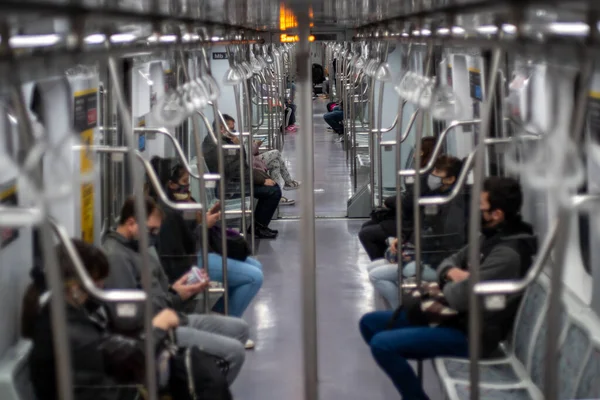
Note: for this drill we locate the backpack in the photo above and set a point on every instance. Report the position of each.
(195, 375)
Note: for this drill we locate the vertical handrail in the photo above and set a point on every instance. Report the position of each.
(308, 258)
(417, 192)
(140, 211)
(475, 225)
(370, 137)
(379, 133)
(202, 183)
(238, 110)
(221, 168)
(248, 122)
(578, 120)
(60, 338)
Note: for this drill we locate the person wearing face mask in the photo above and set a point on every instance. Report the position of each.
(443, 233)
(266, 190)
(507, 247)
(99, 356)
(220, 336)
(178, 249)
(374, 233)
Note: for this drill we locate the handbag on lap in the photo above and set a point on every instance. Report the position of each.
(237, 246)
(425, 306)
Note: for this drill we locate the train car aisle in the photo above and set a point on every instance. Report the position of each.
(273, 371)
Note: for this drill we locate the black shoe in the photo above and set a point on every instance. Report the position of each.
(262, 233)
(266, 228)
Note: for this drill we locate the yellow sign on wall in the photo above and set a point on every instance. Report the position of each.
(86, 117)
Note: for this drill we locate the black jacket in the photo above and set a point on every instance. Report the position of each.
(177, 243)
(389, 225)
(506, 254)
(98, 357)
(232, 165)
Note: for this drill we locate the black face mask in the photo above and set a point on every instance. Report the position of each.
(92, 305)
(134, 244)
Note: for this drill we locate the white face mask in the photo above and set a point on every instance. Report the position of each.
(181, 196)
(434, 182)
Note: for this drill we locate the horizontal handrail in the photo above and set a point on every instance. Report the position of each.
(516, 286)
(154, 180)
(178, 150)
(87, 282)
(438, 147)
(17, 217)
(382, 130)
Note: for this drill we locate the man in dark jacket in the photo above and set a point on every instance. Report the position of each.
(266, 190)
(220, 336)
(448, 220)
(507, 247)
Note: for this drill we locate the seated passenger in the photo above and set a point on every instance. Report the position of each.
(222, 337)
(100, 358)
(178, 249)
(272, 162)
(382, 225)
(443, 233)
(507, 248)
(335, 119)
(266, 190)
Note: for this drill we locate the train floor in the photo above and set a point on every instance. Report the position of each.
(273, 370)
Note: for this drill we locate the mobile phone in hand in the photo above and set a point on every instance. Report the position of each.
(216, 207)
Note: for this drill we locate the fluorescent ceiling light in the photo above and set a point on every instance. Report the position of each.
(570, 28)
(457, 30)
(168, 38)
(188, 38)
(95, 38)
(404, 34)
(425, 32)
(122, 37)
(487, 29)
(443, 31)
(34, 40)
(216, 38)
(509, 28)
(416, 33)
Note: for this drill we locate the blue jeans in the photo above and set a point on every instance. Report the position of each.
(394, 347)
(384, 277)
(334, 120)
(244, 279)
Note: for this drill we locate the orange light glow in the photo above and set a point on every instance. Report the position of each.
(287, 19)
(285, 38)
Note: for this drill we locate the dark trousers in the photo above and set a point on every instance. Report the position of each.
(335, 120)
(372, 237)
(268, 200)
(392, 348)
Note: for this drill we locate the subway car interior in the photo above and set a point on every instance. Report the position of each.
(217, 199)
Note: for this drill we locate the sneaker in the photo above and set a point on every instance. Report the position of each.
(293, 185)
(291, 129)
(249, 344)
(286, 202)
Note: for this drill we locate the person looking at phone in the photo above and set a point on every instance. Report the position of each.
(220, 336)
(266, 190)
(444, 231)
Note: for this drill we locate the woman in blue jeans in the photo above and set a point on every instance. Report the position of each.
(244, 279)
(393, 347)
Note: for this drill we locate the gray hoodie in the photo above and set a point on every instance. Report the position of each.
(126, 272)
(506, 254)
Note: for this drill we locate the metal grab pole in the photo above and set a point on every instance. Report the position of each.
(475, 225)
(379, 133)
(308, 260)
(60, 337)
(399, 140)
(221, 168)
(578, 120)
(417, 193)
(140, 211)
(371, 144)
(238, 110)
(203, 196)
(248, 121)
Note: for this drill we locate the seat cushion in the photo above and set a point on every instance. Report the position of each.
(463, 392)
(502, 371)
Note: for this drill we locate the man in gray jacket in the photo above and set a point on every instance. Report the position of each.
(221, 336)
(507, 246)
